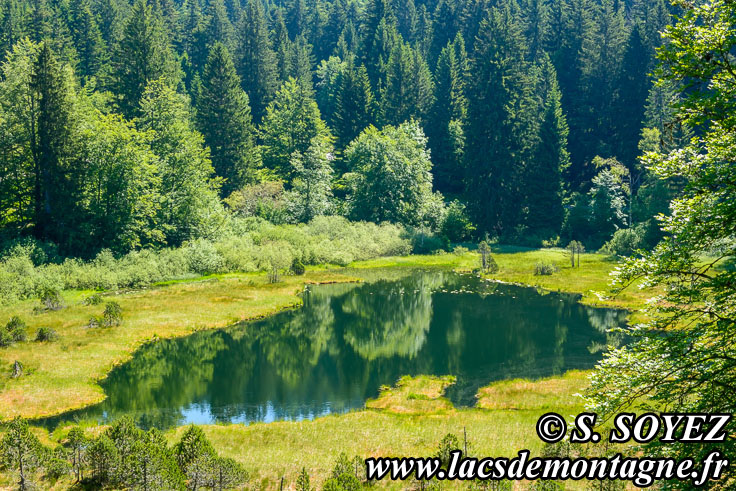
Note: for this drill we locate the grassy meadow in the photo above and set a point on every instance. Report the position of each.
(408, 419)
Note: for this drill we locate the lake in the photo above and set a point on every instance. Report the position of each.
(347, 340)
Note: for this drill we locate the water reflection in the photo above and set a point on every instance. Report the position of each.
(348, 340)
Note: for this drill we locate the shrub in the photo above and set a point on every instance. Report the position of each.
(94, 299)
(456, 225)
(51, 298)
(297, 267)
(46, 334)
(626, 241)
(544, 269)
(460, 250)
(5, 338)
(113, 315)
(16, 328)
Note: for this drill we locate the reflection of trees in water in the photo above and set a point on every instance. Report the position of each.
(405, 309)
(603, 320)
(351, 338)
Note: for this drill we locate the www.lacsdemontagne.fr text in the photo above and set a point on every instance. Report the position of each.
(642, 471)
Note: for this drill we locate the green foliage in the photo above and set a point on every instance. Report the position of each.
(391, 178)
(143, 54)
(112, 316)
(16, 330)
(487, 263)
(311, 184)
(187, 197)
(223, 117)
(292, 124)
(51, 299)
(297, 267)
(690, 369)
(302, 482)
(46, 335)
(544, 269)
(448, 443)
(456, 225)
(94, 299)
(21, 452)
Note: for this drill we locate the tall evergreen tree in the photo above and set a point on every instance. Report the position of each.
(543, 180)
(223, 117)
(448, 117)
(142, 55)
(87, 39)
(256, 60)
(408, 91)
(499, 124)
(355, 106)
(51, 147)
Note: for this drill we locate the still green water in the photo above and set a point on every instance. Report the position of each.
(349, 339)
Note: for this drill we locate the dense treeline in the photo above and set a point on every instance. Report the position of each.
(148, 124)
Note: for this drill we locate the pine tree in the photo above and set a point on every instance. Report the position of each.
(544, 176)
(223, 117)
(142, 55)
(256, 60)
(282, 45)
(536, 13)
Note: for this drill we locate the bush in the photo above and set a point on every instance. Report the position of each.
(16, 329)
(241, 248)
(95, 299)
(460, 250)
(51, 298)
(297, 267)
(544, 269)
(46, 334)
(113, 315)
(626, 241)
(456, 225)
(5, 338)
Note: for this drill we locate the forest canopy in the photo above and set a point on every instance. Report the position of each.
(133, 125)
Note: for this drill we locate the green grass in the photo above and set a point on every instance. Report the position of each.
(272, 450)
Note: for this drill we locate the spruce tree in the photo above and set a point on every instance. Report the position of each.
(51, 145)
(256, 60)
(142, 55)
(87, 39)
(223, 117)
(499, 124)
(449, 114)
(543, 180)
(355, 106)
(408, 91)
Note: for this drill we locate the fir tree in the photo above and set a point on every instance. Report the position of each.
(223, 116)
(355, 106)
(544, 176)
(257, 62)
(142, 55)
(87, 39)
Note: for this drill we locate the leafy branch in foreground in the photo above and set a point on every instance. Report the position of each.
(684, 358)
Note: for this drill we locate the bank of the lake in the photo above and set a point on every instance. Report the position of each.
(64, 375)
